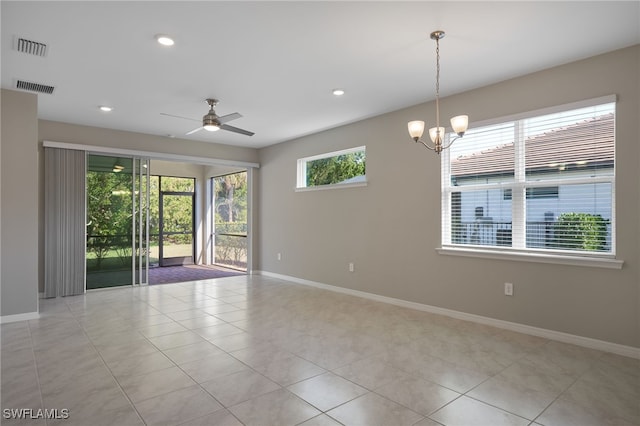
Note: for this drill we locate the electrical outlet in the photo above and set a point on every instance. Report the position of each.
(508, 289)
(279, 256)
(351, 267)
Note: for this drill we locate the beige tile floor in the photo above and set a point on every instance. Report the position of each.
(260, 351)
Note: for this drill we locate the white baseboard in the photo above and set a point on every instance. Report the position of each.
(559, 336)
(5, 319)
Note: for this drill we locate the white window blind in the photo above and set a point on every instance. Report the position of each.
(542, 182)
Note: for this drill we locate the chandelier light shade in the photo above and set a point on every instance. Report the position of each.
(416, 129)
(459, 123)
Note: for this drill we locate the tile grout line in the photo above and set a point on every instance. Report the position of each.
(559, 397)
(107, 366)
(224, 407)
(91, 342)
(35, 364)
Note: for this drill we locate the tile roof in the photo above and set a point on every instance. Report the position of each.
(586, 143)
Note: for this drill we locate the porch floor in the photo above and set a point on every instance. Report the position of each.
(177, 274)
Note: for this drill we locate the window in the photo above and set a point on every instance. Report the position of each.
(543, 182)
(230, 246)
(339, 168)
(542, 192)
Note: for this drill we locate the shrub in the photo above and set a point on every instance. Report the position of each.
(580, 231)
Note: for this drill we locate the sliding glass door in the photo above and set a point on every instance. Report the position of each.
(117, 221)
(141, 212)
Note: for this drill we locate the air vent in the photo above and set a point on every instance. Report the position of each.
(34, 87)
(30, 47)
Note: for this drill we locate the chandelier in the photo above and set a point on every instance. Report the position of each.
(458, 123)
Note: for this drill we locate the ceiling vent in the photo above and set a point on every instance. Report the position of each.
(30, 47)
(34, 87)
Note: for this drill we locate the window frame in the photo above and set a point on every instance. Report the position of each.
(519, 251)
(301, 170)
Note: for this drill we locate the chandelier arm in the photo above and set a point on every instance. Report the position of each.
(451, 141)
(426, 145)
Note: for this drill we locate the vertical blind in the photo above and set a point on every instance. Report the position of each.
(542, 182)
(64, 222)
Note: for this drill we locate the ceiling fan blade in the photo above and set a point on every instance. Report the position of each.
(178, 116)
(193, 131)
(236, 130)
(229, 117)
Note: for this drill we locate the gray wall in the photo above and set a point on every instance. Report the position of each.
(19, 198)
(391, 227)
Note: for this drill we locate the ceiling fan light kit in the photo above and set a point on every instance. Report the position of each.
(211, 126)
(210, 121)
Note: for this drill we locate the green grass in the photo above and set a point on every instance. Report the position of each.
(112, 261)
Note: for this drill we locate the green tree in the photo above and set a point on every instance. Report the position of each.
(231, 218)
(108, 213)
(177, 213)
(231, 202)
(327, 171)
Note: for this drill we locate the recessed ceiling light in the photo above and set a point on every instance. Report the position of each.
(338, 92)
(164, 40)
(105, 108)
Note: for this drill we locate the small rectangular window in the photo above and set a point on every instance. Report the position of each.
(346, 167)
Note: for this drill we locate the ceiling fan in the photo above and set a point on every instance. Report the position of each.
(212, 122)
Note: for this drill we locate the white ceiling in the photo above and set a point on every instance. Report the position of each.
(277, 62)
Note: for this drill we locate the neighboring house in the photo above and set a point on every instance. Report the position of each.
(485, 215)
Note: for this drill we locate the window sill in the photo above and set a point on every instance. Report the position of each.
(334, 186)
(594, 262)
